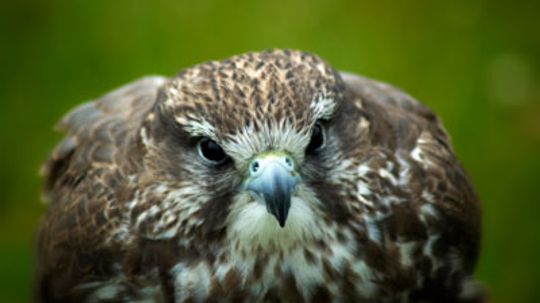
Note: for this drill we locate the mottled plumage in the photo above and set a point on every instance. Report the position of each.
(266, 177)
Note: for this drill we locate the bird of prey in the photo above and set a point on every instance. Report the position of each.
(265, 177)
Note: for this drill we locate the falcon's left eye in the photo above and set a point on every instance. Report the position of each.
(211, 152)
(317, 138)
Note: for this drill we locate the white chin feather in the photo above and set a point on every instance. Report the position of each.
(251, 226)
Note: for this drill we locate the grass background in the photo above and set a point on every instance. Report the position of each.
(476, 63)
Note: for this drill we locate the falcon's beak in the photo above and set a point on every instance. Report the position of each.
(272, 180)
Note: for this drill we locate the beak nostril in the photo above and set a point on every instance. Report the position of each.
(289, 162)
(255, 166)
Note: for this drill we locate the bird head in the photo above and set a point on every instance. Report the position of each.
(248, 143)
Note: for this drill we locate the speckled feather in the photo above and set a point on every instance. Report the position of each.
(384, 212)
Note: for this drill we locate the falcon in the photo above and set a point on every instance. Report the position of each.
(265, 177)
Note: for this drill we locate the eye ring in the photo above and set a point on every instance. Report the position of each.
(210, 152)
(318, 138)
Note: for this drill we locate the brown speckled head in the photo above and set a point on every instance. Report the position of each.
(252, 89)
(251, 93)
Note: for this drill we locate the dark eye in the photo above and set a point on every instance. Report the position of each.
(211, 152)
(317, 138)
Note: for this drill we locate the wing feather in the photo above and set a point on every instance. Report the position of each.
(84, 175)
(433, 182)
(94, 131)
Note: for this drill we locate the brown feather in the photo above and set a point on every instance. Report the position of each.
(134, 213)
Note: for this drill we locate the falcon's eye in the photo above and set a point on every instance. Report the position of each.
(317, 138)
(211, 152)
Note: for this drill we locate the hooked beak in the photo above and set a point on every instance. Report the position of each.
(272, 180)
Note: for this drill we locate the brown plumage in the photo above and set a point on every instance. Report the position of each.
(266, 177)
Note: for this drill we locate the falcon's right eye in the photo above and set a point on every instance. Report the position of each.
(211, 152)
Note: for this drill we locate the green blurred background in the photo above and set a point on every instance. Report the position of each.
(476, 63)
